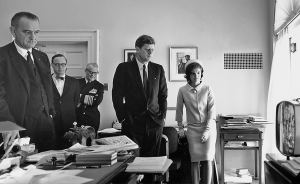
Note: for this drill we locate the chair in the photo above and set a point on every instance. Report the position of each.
(169, 148)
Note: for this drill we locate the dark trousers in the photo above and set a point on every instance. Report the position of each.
(147, 134)
(60, 131)
(88, 117)
(41, 132)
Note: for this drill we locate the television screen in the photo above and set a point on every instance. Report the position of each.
(288, 128)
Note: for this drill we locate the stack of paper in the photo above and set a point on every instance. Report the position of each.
(240, 172)
(293, 165)
(122, 141)
(149, 165)
(228, 177)
(97, 158)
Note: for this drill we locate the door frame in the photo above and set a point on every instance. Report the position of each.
(90, 37)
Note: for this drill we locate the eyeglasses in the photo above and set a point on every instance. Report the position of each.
(91, 73)
(60, 64)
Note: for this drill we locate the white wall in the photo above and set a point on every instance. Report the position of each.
(214, 26)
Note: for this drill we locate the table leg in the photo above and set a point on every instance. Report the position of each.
(260, 160)
(222, 162)
(255, 164)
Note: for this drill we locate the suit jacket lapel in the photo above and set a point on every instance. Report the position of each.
(39, 64)
(151, 75)
(66, 86)
(55, 93)
(136, 74)
(17, 62)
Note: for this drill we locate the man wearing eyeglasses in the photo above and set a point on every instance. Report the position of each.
(26, 96)
(91, 95)
(66, 97)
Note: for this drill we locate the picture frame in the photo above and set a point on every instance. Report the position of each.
(178, 57)
(129, 54)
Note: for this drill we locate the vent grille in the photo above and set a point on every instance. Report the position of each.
(243, 61)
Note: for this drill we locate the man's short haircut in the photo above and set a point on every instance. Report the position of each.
(95, 65)
(144, 39)
(18, 16)
(58, 55)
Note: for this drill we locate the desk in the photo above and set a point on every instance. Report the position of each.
(106, 174)
(242, 135)
(276, 173)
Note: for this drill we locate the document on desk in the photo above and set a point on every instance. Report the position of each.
(37, 176)
(109, 130)
(149, 165)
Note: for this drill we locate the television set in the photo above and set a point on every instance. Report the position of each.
(288, 128)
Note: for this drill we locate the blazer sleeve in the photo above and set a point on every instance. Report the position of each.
(5, 115)
(163, 93)
(48, 87)
(99, 97)
(77, 93)
(118, 92)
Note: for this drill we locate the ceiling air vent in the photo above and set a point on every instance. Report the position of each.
(243, 61)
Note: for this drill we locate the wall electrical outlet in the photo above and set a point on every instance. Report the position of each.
(105, 86)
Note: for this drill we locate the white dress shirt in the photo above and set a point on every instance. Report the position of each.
(59, 83)
(23, 52)
(141, 69)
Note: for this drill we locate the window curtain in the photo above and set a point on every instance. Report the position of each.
(279, 87)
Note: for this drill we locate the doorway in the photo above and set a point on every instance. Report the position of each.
(78, 46)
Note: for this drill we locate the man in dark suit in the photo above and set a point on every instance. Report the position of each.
(91, 95)
(139, 97)
(66, 97)
(25, 85)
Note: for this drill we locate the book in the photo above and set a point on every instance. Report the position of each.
(246, 174)
(291, 169)
(294, 164)
(297, 159)
(229, 178)
(96, 163)
(102, 154)
(239, 170)
(123, 142)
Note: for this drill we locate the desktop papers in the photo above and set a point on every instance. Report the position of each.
(149, 165)
(37, 176)
(109, 130)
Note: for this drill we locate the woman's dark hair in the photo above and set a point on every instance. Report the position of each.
(189, 70)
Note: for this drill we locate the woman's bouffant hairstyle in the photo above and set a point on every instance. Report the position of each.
(189, 70)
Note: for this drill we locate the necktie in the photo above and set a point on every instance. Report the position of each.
(61, 78)
(30, 62)
(145, 80)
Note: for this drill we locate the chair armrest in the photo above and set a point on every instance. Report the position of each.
(164, 144)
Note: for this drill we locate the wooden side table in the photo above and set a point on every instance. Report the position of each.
(242, 135)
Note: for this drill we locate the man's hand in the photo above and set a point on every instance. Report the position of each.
(88, 99)
(9, 137)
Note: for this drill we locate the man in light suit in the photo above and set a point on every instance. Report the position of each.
(66, 97)
(25, 85)
(91, 95)
(139, 97)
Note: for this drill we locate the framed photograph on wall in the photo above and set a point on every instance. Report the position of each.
(178, 57)
(129, 54)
